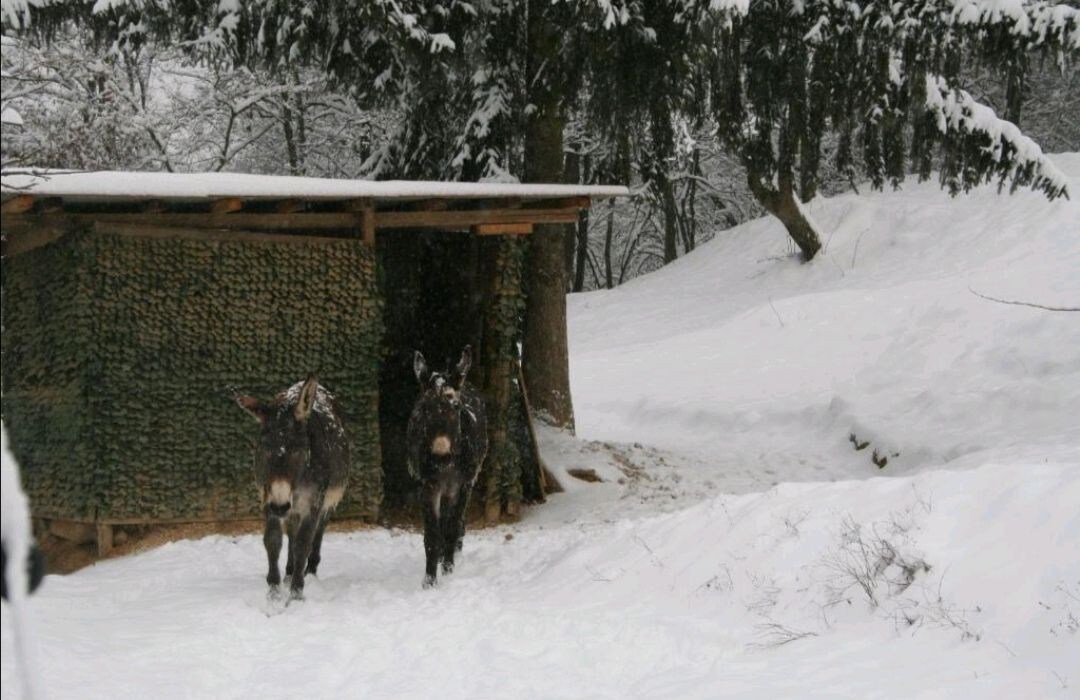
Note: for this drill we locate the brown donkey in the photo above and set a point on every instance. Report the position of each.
(301, 469)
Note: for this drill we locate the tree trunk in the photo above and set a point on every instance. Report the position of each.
(571, 176)
(290, 139)
(582, 248)
(545, 356)
(1015, 89)
(609, 235)
(784, 205)
(671, 219)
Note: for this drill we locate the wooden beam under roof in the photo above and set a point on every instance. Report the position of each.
(290, 206)
(439, 204)
(322, 220)
(561, 203)
(18, 204)
(48, 205)
(20, 238)
(226, 206)
(469, 218)
(494, 229)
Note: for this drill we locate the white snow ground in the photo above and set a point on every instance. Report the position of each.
(952, 572)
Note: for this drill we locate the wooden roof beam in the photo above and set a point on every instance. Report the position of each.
(227, 205)
(434, 204)
(48, 205)
(455, 219)
(497, 229)
(561, 203)
(358, 204)
(19, 204)
(290, 206)
(468, 218)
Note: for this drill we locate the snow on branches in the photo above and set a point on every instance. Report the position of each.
(1010, 153)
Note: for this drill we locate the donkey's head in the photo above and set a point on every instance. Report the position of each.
(440, 404)
(284, 448)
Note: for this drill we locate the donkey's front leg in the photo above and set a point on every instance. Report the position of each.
(272, 540)
(290, 526)
(432, 534)
(305, 534)
(451, 516)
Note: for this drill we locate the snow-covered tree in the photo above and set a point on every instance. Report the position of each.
(884, 77)
(72, 102)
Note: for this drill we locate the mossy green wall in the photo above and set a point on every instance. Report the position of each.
(120, 354)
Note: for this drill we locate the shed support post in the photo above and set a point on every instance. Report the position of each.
(367, 220)
(104, 539)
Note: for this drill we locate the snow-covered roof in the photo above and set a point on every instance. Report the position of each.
(118, 186)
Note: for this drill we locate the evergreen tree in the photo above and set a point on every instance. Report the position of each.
(884, 77)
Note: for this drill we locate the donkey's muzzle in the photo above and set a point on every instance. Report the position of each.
(278, 510)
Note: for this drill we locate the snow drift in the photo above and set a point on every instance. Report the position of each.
(741, 352)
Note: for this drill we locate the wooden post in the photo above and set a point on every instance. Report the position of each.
(367, 221)
(104, 539)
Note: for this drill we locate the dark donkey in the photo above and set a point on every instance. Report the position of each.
(447, 443)
(301, 468)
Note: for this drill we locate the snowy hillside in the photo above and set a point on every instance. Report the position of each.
(766, 366)
(953, 571)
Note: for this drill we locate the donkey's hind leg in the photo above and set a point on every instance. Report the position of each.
(461, 508)
(305, 534)
(316, 545)
(447, 530)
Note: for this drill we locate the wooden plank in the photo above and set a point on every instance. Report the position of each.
(500, 203)
(561, 203)
(357, 204)
(367, 226)
(255, 519)
(450, 220)
(439, 204)
(104, 539)
(347, 220)
(227, 205)
(18, 204)
(49, 205)
(23, 239)
(218, 235)
(290, 206)
(467, 219)
(494, 229)
(239, 220)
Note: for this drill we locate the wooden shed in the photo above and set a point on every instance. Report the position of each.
(134, 304)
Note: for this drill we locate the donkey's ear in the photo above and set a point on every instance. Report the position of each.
(463, 365)
(306, 402)
(258, 410)
(420, 368)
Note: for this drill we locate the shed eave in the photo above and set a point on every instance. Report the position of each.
(108, 187)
